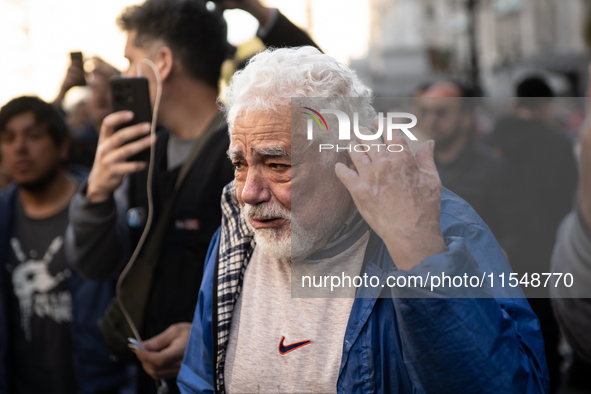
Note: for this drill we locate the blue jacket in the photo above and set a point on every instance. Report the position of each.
(414, 341)
(95, 371)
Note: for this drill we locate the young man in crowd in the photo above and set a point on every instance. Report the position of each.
(466, 166)
(49, 342)
(356, 212)
(187, 43)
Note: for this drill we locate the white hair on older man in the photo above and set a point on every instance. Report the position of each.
(267, 84)
(272, 77)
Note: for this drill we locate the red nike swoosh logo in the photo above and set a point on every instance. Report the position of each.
(284, 349)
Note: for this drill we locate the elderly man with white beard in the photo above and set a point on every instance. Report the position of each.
(376, 213)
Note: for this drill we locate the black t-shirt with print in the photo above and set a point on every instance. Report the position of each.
(40, 305)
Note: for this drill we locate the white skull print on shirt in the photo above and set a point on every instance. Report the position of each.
(40, 299)
(32, 284)
(40, 304)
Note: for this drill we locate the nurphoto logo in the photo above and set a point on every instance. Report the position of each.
(345, 130)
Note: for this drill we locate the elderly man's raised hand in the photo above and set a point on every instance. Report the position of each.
(399, 196)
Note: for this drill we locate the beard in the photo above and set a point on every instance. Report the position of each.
(290, 242)
(43, 181)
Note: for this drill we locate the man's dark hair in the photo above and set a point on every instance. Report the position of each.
(532, 92)
(195, 35)
(44, 113)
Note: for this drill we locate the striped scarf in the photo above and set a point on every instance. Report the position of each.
(235, 250)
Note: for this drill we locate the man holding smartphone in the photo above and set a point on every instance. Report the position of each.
(187, 44)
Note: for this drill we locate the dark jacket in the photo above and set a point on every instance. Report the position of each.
(95, 371)
(100, 236)
(196, 218)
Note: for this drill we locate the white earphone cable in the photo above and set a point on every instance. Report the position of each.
(144, 235)
(163, 387)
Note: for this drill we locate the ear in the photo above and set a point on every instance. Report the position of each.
(164, 62)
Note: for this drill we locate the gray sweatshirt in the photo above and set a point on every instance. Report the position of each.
(572, 305)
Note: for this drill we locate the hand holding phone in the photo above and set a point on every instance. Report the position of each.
(114, 149)
(76, 70)
(132, 94)
(123, 136)
(75, 76)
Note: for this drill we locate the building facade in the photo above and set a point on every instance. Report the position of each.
(412, 41)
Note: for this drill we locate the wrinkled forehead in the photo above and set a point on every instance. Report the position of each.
(260, 126)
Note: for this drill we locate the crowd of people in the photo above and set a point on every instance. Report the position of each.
(207, 298)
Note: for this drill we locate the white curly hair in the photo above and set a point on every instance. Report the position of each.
(273, 77)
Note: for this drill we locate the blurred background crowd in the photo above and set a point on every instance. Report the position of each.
(513, 156)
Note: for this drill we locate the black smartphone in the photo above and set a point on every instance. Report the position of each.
(76, 57)
(132, 94)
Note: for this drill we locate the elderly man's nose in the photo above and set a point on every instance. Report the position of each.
(255, 189)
